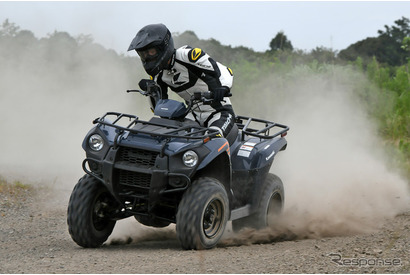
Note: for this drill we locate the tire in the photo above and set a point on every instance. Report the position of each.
(202, 214)
(147, 221)
(89, 202)
(270, 206)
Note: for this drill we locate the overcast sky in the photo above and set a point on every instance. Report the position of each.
(251, 24)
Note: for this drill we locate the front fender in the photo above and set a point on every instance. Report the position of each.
(217, 164)
(216, 147)
(207, 153)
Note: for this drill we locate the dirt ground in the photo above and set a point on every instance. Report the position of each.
(34, 239)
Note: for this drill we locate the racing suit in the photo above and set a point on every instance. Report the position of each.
(192, 70)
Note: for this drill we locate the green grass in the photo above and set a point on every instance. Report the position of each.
(14, 188)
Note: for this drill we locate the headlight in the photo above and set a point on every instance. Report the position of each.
(96, 142)
(190, 158)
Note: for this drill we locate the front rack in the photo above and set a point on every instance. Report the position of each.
(264, 132)
(246, 124)
(175, 131)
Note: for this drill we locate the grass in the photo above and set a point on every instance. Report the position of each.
(14, 188)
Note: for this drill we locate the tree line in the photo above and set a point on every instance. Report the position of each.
(391, 46)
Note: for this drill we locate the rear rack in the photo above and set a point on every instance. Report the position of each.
(263, 133)
(175, 131)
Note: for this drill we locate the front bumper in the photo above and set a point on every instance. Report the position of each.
(140, 180)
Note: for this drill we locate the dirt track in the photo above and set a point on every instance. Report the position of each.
(34, 239)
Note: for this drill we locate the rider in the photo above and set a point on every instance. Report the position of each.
(186, 70)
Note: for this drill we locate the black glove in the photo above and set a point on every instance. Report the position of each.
(145, 84)
(219, 93)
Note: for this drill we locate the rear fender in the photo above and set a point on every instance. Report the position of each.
(267, 151)
(254, 154)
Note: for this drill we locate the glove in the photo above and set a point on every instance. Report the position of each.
(145, 84)
(219, 93)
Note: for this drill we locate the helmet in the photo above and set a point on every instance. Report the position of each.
(155, 46)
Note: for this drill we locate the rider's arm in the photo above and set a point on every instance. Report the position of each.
(145, 85)
(163, 85)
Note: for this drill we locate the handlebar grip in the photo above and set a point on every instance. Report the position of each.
(207, 94)
(201, 95)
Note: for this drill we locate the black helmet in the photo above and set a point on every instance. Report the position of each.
(155, 46)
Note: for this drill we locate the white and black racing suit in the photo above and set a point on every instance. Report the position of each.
(192, 70)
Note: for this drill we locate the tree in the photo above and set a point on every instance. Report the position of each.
(8, 29)
(405, 45)
(323, 55)
(397, 33)
(387, 47)
(280, 42)
(185, 38)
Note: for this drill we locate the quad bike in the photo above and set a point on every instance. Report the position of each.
(171, 170)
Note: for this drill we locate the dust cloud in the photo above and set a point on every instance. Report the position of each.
(47, 108)
(337, 175)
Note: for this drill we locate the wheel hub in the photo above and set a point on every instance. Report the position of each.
(212, 218)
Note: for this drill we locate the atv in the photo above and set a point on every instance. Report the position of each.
(170, 169)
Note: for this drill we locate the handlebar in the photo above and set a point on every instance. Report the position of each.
(198, 96)
(205, 97)
(153, 89)
(137, 91)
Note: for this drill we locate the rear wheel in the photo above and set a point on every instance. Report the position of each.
(269, 208)
(202, 214)
(88, 212)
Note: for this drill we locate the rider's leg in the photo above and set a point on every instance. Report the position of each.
(222, 121)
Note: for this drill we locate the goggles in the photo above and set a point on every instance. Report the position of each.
(149, 54)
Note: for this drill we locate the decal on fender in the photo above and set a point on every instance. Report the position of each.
(246, 149)
(270, 156)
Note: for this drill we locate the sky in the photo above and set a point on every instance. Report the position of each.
(253, 24)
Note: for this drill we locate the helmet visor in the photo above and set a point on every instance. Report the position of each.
(149, 54)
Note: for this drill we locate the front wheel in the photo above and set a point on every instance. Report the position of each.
(202, 214)
(88, 212)
(270, 206)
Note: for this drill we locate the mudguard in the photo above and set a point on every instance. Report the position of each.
(255, 154)
(216, 146)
